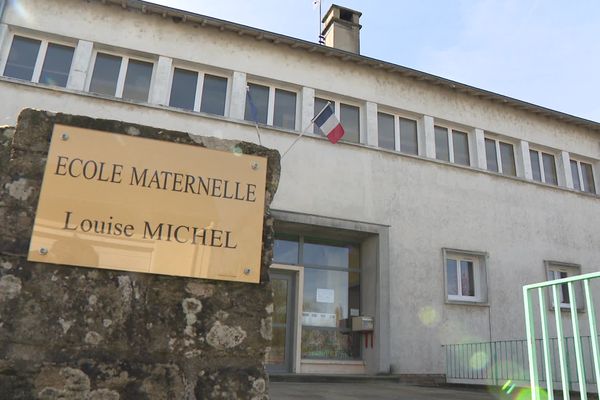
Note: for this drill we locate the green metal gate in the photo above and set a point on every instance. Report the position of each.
(568, 286)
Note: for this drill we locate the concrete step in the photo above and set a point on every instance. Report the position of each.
(332, 378)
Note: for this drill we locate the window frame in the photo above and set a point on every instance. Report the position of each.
(337, 101)
(450, 130)
(480, 277)
(41, 55)
(397, 136)
(497, 142)
(552, 267)
(199, 86)
(540, 152)
(271, 101)
(579, 161)
(125, 57)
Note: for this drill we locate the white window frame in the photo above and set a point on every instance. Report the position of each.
(41, 56)
(122, 70)
(200, 86)
(397, 115)
(497, 142)
(271, 101)
(337, 101)
(479, 260)
(541, 165)
(553, 268)
(449, 130)
(580, 174)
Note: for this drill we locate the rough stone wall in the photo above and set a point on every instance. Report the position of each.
(81, 333)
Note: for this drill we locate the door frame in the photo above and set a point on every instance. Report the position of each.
(298, 273)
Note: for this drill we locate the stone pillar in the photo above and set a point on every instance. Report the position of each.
(307, 108)
(237, 105)
(371, 137)
(563, 170)
(159, 91)
(427, 137)
(85, 333)
(523, 160)
(81, 65)
(477, 146)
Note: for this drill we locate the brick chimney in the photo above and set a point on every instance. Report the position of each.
(341, 29)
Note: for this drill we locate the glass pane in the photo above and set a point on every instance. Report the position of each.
(276, 354)
(350, 119)
(385, 128)
(441, 144)
(460, 144)
(285, 250)
(318, 343)
(549, 169)
(466, 278)
(183, 89)
(575, 175)
(280, 296)
(137, 80)
(328, 297)
(284, 114)
(319, 105)
(451, 277)
(214, 92)
(257, 103)
(326, 254)
(57, 65)
(408, 136)
(588, 178)
(490, 155)
(21, 58)
(106, 74)
(564, 288)
(535, 165)
(507, 155)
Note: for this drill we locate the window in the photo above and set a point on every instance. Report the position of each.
(583, 176)
(451, 145)
(386, 131)
(558, 270)
(271, 106)
(543, 167)
(393, 129)
(465, 276)
(121, 77)
(39, 61)
(197, 91)
(500, 157)
(348, 115)
(331, 293)
(350, 120)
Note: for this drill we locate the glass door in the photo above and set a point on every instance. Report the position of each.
(280, 358)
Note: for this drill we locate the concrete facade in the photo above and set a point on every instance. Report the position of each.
(515, 223)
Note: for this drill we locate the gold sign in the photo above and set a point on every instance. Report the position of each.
(134, 204)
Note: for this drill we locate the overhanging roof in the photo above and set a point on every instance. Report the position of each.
(275, 38)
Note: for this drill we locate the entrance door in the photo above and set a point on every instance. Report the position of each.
(280, 358)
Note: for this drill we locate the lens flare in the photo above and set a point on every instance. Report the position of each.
(479, 360)
(428, 316)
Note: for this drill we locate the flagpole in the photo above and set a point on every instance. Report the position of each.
(312, 121)
(249, 98)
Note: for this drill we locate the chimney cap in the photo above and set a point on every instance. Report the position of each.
(343, 13)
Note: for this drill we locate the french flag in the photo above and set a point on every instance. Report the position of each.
(329, 124)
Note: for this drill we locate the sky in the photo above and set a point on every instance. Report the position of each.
(545, 52)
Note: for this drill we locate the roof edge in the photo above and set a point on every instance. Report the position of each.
(276, 38)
